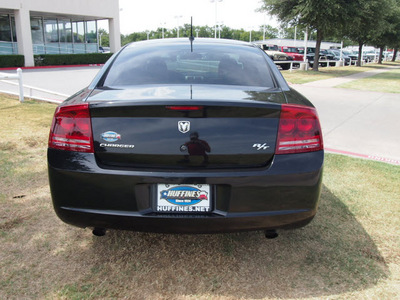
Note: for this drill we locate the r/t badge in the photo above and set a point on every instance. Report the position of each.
(261, 146)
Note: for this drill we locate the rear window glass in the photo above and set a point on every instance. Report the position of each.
(176, 64)
(290, 49)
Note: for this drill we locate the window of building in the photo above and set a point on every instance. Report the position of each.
(51, 36)
(8, 38)
(91, 36)
(5, 29)
(65, 32)
(37, 35)
(79, 37)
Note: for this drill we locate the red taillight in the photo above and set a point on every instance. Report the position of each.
(299, 130)
(71, 129)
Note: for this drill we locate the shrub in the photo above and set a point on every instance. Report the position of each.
(71, 59)
(7, 61)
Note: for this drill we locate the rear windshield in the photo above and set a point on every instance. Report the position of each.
(269, 47)
(176, 64)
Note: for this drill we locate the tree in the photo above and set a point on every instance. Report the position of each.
(389, 36)
(206, 31)
(134, 37)
(270, 32)
(327, 19)
(104, 39)
(367, 23)
(288, 32)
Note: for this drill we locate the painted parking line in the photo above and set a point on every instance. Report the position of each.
(365, 156)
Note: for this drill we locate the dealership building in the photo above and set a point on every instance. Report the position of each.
(30, 27)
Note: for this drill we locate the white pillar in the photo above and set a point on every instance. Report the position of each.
(24, 37)
(115, 35)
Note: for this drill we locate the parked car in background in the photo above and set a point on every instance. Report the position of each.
(354, 55)
(293, 52)
(311, 57)
(387, 54)
(346, 59)
(186, 136)
(330, 57)
(334, 54)
(104, 49)
(370, 56)
(351, 55)
(276, 55)
(309, 50)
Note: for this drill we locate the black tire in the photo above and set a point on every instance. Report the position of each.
(285, 66)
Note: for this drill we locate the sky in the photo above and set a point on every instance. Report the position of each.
(145, 15)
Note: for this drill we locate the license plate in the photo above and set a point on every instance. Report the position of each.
(183, 198)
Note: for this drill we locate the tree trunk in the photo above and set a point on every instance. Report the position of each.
(360, 45)
(395, 54)
(317, 49)
(380, 55)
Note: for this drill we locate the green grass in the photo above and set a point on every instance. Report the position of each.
(388, 82)
(350, 250)
(300, 77)
(25, 130)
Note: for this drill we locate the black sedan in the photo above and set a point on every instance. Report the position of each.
(184, 136)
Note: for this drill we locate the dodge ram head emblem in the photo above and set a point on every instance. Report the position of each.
(184, 126)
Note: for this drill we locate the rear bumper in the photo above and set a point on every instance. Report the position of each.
(284, 195)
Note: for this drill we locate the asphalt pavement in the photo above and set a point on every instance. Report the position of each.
(357, 123)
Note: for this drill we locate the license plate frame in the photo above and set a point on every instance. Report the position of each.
(183, 198)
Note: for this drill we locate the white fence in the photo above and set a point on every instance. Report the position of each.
(305, 65)
(5, 76)
(302, 65)
(323, 63)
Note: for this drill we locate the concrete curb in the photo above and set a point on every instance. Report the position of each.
(365, 156)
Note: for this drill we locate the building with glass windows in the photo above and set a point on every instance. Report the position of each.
(30, 27)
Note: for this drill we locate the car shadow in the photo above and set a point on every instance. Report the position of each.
(332, 255)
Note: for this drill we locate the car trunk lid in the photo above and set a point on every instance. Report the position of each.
(177, 134)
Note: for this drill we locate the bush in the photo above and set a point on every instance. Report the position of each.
(7, 61)
(71, 59)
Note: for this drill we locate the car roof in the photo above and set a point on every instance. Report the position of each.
(177, 41)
